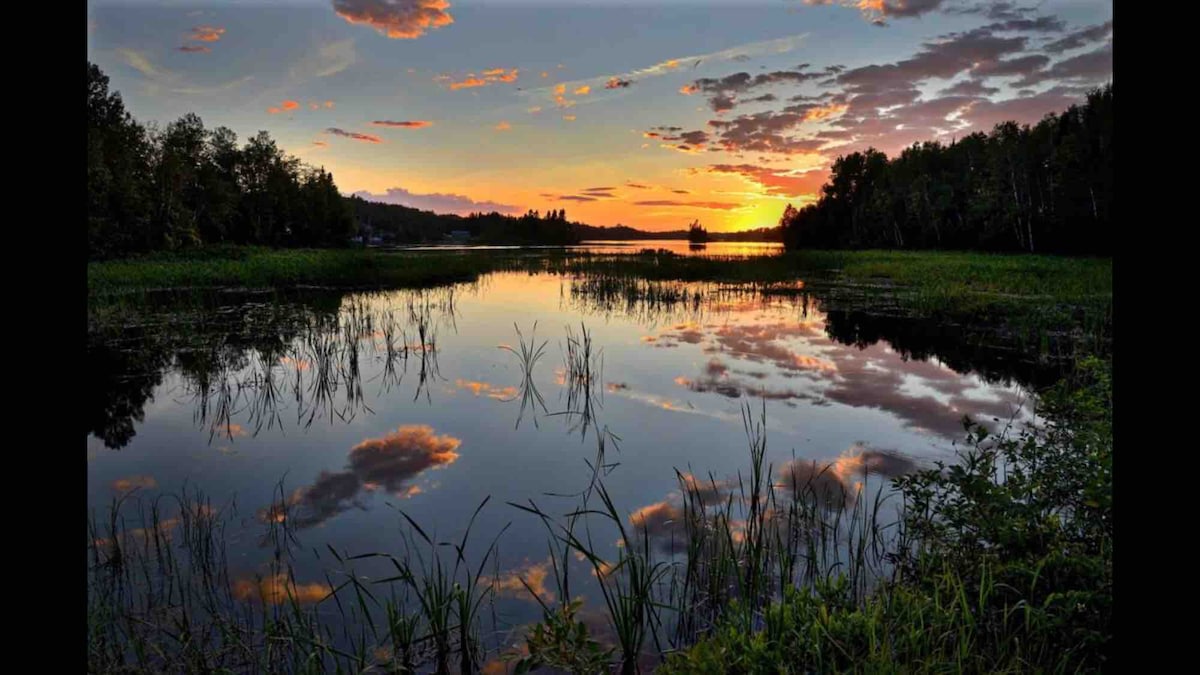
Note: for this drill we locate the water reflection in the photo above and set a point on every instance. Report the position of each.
(251, 360)
(390, 463)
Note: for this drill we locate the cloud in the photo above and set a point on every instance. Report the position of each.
(878, 11)
(514, 583)
(723, 92)
(194, 49)
(366, 138)
(406, 124)
(329, 59)
(569, 118)
(278, 589)
(206, 34)
(503, 126)
(487, 389)
(717, 206)
(438, 202)
(286, 106)
(583, 91)
(969, 88)
(161, 78)
(487, 77)
(775, 182)
(617, 83)
(1080, 38)
(397, 19)
(319, 144)
(766, 47)
(386, 463)
(131, 483)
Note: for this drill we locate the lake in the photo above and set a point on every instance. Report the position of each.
(334, 413)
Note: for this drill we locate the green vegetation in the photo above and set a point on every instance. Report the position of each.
(1047, 188)
(998, 562)
(1004, 564)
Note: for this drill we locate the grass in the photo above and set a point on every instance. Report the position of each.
(999, 562)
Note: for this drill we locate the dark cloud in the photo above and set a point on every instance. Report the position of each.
(1022, 65)
(406, 124)
(366, 138)
(1080, 38)
(969, 88)
(396, 18)
(437, 202)
(194, 49)
(723, 92)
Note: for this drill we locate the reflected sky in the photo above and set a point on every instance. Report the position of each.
(431, 426)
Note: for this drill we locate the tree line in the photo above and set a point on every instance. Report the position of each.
(184, 186)
(1041, 189)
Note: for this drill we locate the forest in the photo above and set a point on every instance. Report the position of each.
(1041, 189)
(184, 186)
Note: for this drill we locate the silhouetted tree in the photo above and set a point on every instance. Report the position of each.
(1046, 188)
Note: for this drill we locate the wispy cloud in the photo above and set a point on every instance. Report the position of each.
(406, 124)
(163, 79)
(366, 138)
(436, 202)
(679, 64)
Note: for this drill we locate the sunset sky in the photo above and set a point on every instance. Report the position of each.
(648, 114)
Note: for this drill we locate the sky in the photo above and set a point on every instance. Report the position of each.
(648, 114)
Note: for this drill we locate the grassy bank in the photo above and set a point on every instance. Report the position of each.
(283, 268)
(967, 278)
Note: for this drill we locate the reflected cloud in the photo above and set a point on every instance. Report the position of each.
(277, 589)
(487, 389)
(387, 463)
(534, 574)
(131, 483)
(928, 396)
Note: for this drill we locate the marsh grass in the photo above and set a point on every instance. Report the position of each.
(1000, 562)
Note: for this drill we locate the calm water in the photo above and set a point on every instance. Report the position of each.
(248, 397)
(677, 246)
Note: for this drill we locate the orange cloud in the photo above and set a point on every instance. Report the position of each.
(569, 118)
(560, 97)
(206, 34)
(389, 463)
(486, 78)
(533, 574)
(397, 19)
(286, 106)
(277, 589)
(825, 112)
(583, 91)
(688, 89)
(503, 126)
(132, 483)
(477, 388)
(407, 124)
